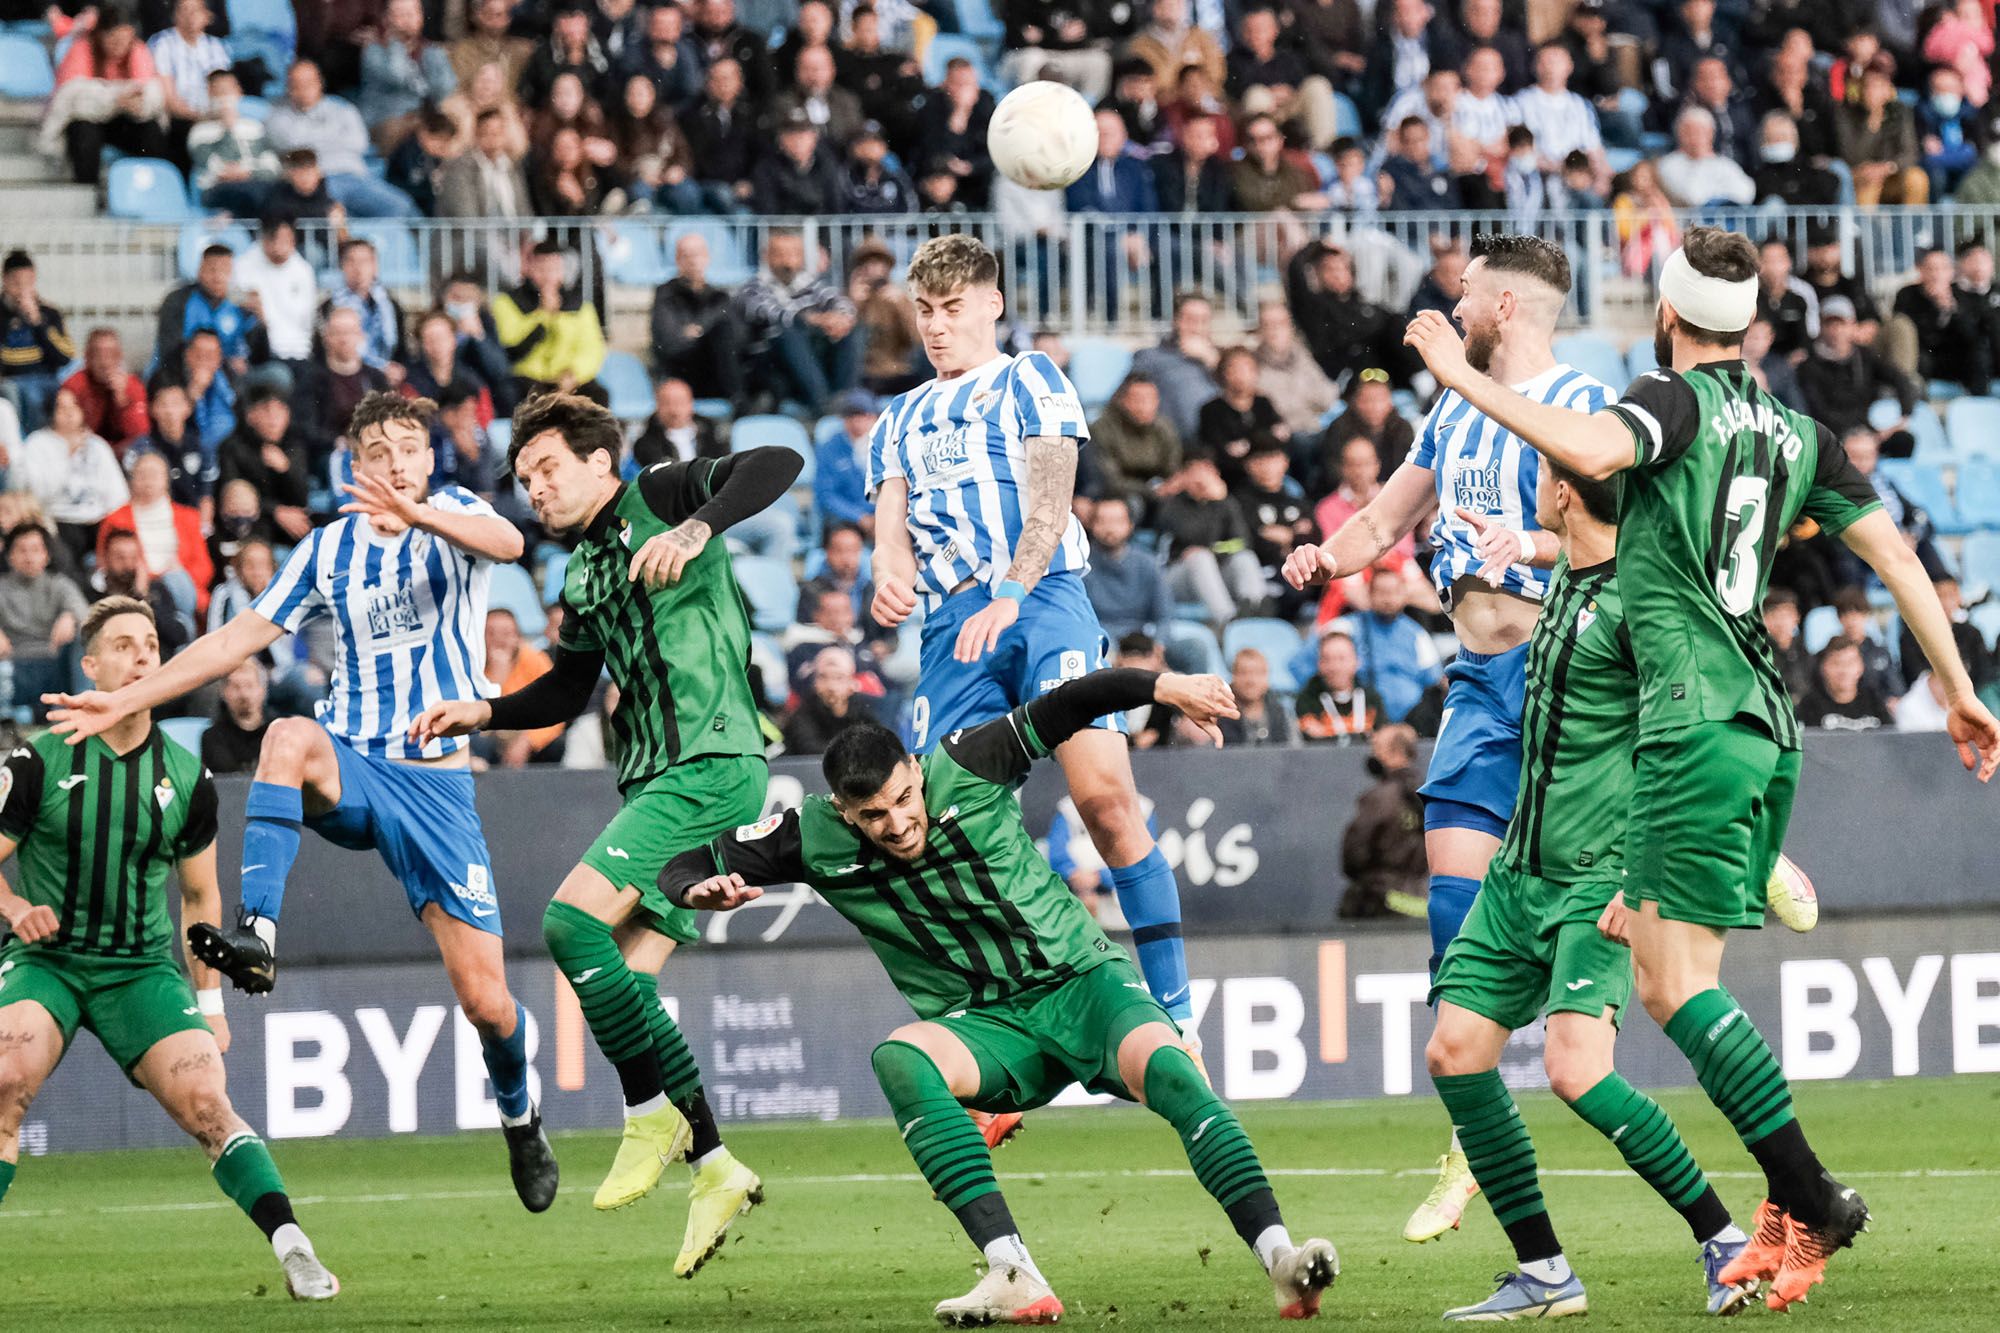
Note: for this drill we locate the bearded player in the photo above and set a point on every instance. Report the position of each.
(1481, 478)
(1715, 471)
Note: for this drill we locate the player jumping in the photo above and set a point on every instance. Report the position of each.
(98, 827)
(650, 595)
(403, 578)
(1018, 991)
(1716, 471)
(1532, 944)
(1481, 478)
(972, 476)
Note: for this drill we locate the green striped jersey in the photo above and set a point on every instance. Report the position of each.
(1579, 726)
(98, 833)
(1723, 473)
(679, 655)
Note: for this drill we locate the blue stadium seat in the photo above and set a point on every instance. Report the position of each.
(769, 658)
(185, 731)
(826, 428)
(716, 408)
(1277, 639)
(1639, 359)
(1594, 356)
(198, 236)
(146, 189)
(753, 432)
(500, 434)
(25, 72)
(1986, 619)
(513, 589)
(1979, 562)
(1821, 627)
(395, 251)
(1923, 485)
(1932, 444)
(631, 389)
(1346, 117)
(1978, 492)
(264, 16)
(275, 49)
(1191, 647)
(726, 264)
(633, 257)
(554, 570)
(253, 108)
(1973, 426)
(976, 20)
(949, 46)
(770, 589)
(1096, 367)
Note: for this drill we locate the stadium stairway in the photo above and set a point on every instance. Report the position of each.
(53, 195)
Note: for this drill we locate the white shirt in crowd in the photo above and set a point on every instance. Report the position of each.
(159, 543)
(1921, 709)
(1693, 181)
(79, 487)
(1563, 123)
(290, 295)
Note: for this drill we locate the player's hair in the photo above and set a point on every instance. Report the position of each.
(860, 761)
(583, 425)
(381, 407)
(1600, 498)
(945, 264)
(1512, 252)
(1715, 253)
(105, 611)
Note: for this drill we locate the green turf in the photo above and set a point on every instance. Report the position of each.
(424, 1233)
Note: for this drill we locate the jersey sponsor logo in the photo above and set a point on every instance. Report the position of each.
(1058, 405)
(763, 828)
(477, 888)
(943, 458)
(392, 613)
(1477, 486)
(72, 780)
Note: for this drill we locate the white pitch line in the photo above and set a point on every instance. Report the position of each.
(912, 1178)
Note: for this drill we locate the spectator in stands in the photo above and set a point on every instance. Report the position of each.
(206, 303)
(1195, 98)
(463, 454)
(416, 165)
(239, 522)
(1981, 185)
(1936, 334)
(1771, 371)
(840, 475)
(488, 41)
(620, 28)
(871, 184)
(550, 330)
(1149, 725)
(299, 195)
(1195, 176)
(720, 36)
(1857, 622)
(799, 331)
(308, 118)
(1443, 282)
(1838, 700)
(10, 432)
(211, 393)
(571, 106)
(186, 56)
(799, 180)
(1133, 447)
(1398, 659)
(1382, 851)
(1278, 516)
(1125, 583)
(1371, 415)
(479, 352)
(190, 474)
(1238, 419)
(333, 384)
(1399, 59)
(1182, 365)
(513, 663)
(1684, 46)
(72, 472)
(566, 182)
(675, 433)
(1411, 180)
(1828, 279)
(652, 151)
(234, 740)
(1788, 88)
(1713, 89)
(1784, 175)
(1923, 707)
(1562, 121)
(486, 181)
(1947, 131)
(108, 94)
(889, 82)
(667, 59)
(1169, 42)
(34, 346)
(112, 397)
(1267, 179)
(1262, 719)
(40, 612)
(842, 551)
(893, 360)
(1647, 228)
(692, 339)
(1975, 285)
(571, 49)
(1332, 705)
(170, 537)
(1354, 191)
(1878, 139)
(268, 454)
(1979, 663)
(401, 73)
(1330, 37)
(489, 90)
(122, 572)
(1785, 302)
(1345, 331)
(1841, 378)
(384, 327)
(279, 291)
(830, 706)
(437, 366)
(828, 616)
(1070, 44)
(724, 137)
(1288, 376)
(1864, 451)
(1781, 622)
(1209, 559)
(1694, 174)
(1135, 97)
(831, 109)
(954, 131)
(1264, 76)
(1116, 182)
(231, 164)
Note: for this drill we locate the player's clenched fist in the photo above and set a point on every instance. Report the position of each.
(894, 602)
(455, 717)
(658, 563)
(31, 923)
(1438, 343)
(1201, 700)
(1308, 566)
(719, 893)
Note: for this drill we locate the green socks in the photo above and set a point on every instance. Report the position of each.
(1652, 1147)
(678, 1073)
(246, 1172)
(622, 1010)
(1732, 1064)
(1217, 1148)
(935, 1128)
(6, 1178)
(1502, 1158)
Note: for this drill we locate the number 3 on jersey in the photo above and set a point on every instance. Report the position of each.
(1743, 526)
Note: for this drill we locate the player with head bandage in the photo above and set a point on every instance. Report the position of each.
(1481, 479)
(1716, 473)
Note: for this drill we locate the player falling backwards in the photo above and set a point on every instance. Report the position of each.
(99, 826)
(1532, 945)
(650, 595)
(402, 575)
(972, 476)
(1017, 991)
(1715, 473)
(1481, 478)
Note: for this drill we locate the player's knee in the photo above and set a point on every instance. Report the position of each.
(1448, 1053)
(15, 1095)
(206, 1112)
(1170, 1081)
(287, 746)
(1117, 826)
(1573, 1071)
(900, 1067)
(487, 1005)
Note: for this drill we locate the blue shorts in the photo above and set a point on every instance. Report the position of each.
(426, 826)
(1056, 639)
(1477, 761)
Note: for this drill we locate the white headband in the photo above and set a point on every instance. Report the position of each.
(1709, 303)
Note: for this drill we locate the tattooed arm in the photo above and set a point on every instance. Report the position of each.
(1045, 516)
(1373, 530)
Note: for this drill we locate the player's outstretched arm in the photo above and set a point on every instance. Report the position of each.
(731, 870)
(1365, 538)
(895, 560)
(1005, 749)
(1875, 538)
(486, 536)
(1045, 516)
(1595, 444)
(557, 695)
(208, 658)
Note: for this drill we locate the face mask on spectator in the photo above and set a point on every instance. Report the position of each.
(460, 311)
(1947, 104)
(1779, 152)
(236, 526)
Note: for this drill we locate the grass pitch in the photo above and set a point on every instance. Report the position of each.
(425, 1233)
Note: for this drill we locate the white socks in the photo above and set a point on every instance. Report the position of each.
(287, 1238)
(1551, 1272)
(1008, 1252)
(1270, 1243)
(1454, 1142)
(513, 1121)
(715, 1154)
(266, 930)
(647, 1107)
(1729, 1235)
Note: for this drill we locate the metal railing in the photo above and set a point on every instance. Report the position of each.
(1086, 274)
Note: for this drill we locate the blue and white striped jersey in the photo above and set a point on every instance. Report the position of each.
(409, 616)
(962, 446)
(1483, 467)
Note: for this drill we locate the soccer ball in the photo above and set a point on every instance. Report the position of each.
(1043, 135)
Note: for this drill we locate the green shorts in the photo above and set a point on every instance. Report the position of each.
(1036, 1044)
(684, 807)
(1531, 946)
(1710, 804)
(132, 1004)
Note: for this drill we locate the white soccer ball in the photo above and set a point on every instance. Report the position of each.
(1043, 135)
